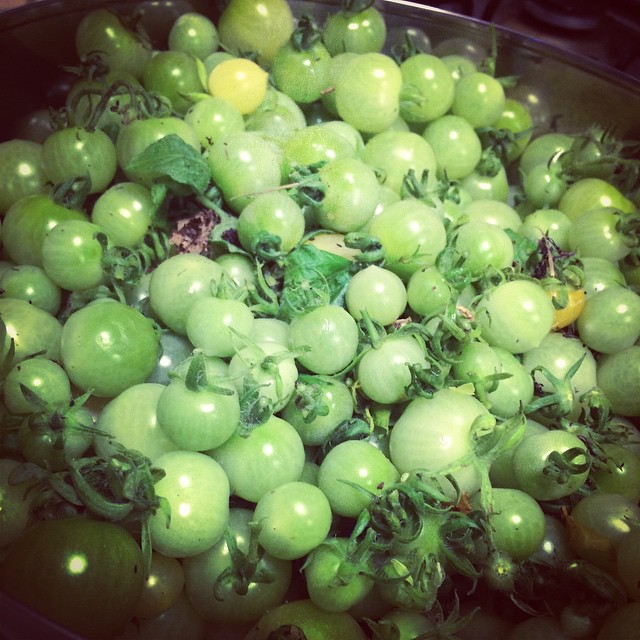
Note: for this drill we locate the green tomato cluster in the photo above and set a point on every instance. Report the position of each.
(305, 330)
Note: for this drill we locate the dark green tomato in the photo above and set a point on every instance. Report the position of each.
(103, 32)
(173, 74)
(108, 347)
(361, 32)
(50, 439)
(21, 172)
(27, 222)
(83, 574)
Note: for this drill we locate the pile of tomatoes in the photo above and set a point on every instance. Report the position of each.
(310, 336)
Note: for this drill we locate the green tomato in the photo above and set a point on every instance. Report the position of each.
(108, 347)
(196, 489)
(94, 572)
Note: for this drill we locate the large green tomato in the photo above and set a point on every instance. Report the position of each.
(83, 574)
(108, 347)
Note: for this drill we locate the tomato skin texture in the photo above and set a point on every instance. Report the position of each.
(357, 462)
(108, 347)
(177, 283)
(136, 405)
(197, 490)
(518, 523)
(72, 255)
(86, 575)
(272, 454)
(331, 335)
(27, 222)
(15, 510)
(618, 375)
(251, 25)
(529, 320)
(75, 151)
(42, 375)
(21, 172)
(433, 433)
(197, 420)
(592, 193)
(102, 30)
(294, 519)
(173, 74)
(363, 32)
(33, 330)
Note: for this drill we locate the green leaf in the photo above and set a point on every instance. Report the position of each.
(172, 159)
(312, 278)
